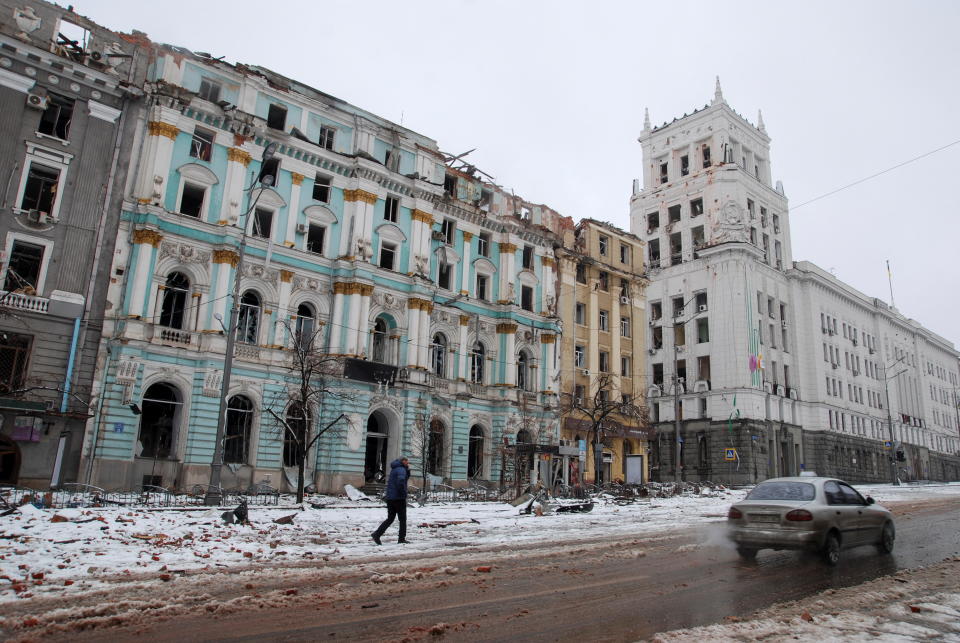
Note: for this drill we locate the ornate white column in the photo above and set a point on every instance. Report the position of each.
(465, 262)
(509, 329)
(237, 162)
(507, 273)
(426, 309)
(464, 370)
(420, 236)
(413, 331)
(550, 368)
(290, 238)
(363, 323)
(226, 260)
(353, 319)
(280, 334)
(155, 168)
(146, 242)
(548, 292)
(358, 207)
(336, 320)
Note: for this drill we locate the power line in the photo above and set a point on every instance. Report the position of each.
(873, 176)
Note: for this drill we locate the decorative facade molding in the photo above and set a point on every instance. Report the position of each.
(420, 304)
(464, 320)
(507, 248)
(239, 156)
(226, 256)
(145, 235)
(159, 128)
(297, 178)
(420, 215)
(359, 195)
(467, 236)
(286, 276)
(546, 338)
(505, 328)
(352, 288)
(184, 253)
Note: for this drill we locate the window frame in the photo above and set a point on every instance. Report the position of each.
(213, 86)
(51, 159)
(325, 188)
(391, 208)
(603, 321)
(47, 244)
(327, 138)
(58, 102)
(202, 141)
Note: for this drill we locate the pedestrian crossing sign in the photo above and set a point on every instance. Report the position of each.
(729, 454)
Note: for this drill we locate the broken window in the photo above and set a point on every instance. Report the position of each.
(174, 304)
(191, 201)
(483, 244)
(24, 267)
(751, 210)
(604, 362)
(604, 280)
(524, 380)
(703, 367)
(679, 335)
(580, 313)
(777, 253)
(262, 223)
(321, 189)
(209, 90)
(656, 310)
(327, 136)
(390, 209)
(701, 301)
(526, 297)
(766, 248)
(703, 331)
(624, 253)
(581, 273)
(705, 152)
(763, 217)
(305, 322)
(14, 357)
(438, 355)
(673, 214)
(447, 229)
(696, 207)
(625, 371)
(682, 371)
(653, 250)
(201, 145)
(443, 275)
(776, 223)
(295, 434)
(658, 375)
(435, 449)
(450, 185)
(528, 257)
(604, 316)
(677, 306)
(248, 320)
(658, 336)
(277, 117)
(482, 293)
(315, 237)
(624, 288)
(236, 440)
(625, 327)
(391, 159)
(697, 236)
(684, 165)
(653, 221)
(676, 248)
(663, 173)
(40, 191)
(388, 253)
(55, 120)
(477, 356)
(578, 356)
(604, 242)
(159, 414)
(753, 236)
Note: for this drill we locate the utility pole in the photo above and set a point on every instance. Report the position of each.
(214, 495)
(894, 478)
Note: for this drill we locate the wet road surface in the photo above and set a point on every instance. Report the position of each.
(604, 590)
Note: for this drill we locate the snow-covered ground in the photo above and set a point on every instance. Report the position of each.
(61, 551)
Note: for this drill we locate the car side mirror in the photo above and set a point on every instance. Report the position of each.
(870, 500)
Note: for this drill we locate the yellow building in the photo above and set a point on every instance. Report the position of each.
(602, 305)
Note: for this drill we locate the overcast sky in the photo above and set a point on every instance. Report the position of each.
(552, 96)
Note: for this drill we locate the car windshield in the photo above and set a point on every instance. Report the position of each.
(783, 491)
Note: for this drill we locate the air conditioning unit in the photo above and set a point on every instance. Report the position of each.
(438, 236)
(783, 323)
(302, 228)
(37, 101)
(624, 300)
(702, 308)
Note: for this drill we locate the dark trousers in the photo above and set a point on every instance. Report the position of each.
(395, 509)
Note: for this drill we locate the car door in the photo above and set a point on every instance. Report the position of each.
(842, 515)
(864, 521)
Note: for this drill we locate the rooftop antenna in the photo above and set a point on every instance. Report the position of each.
(890, 280)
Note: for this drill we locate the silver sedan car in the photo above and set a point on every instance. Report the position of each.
(809, 513)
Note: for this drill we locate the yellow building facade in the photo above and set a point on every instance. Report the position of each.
(602, 305)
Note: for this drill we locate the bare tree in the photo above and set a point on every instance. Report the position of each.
(596, 413)
(313, 373)
(530, 429)
(420, 445)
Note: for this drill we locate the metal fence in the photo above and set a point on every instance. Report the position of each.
(75, 495)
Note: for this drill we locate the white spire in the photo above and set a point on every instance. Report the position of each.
(717, 94)
(646, 119)
(760, 125)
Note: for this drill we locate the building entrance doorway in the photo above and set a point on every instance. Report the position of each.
(9, 461)
(375, 460)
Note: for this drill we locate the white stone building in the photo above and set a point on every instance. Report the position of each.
(742, 322)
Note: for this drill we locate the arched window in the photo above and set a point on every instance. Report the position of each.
(375, 458)
(248, 323)
(236, 440)
(176, 293)
(523, 437)
(477, 359)
(475, 453)
(159, 414)
(438, 355)
(379, 349)
(295, 435)
(435, 449)
(524, 375)
(304, 326)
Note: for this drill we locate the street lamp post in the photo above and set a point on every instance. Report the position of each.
(894, 478)
(214, 495)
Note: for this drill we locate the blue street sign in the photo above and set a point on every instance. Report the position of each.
(118, 427)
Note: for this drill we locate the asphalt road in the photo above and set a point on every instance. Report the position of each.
(600, 590)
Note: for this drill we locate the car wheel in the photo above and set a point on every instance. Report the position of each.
(887, 536)
(831, 549)
(747, 553)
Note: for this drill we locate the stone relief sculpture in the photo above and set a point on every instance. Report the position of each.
(730, 227)
(27, 21)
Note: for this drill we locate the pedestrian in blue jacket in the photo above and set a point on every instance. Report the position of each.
(396, 500)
